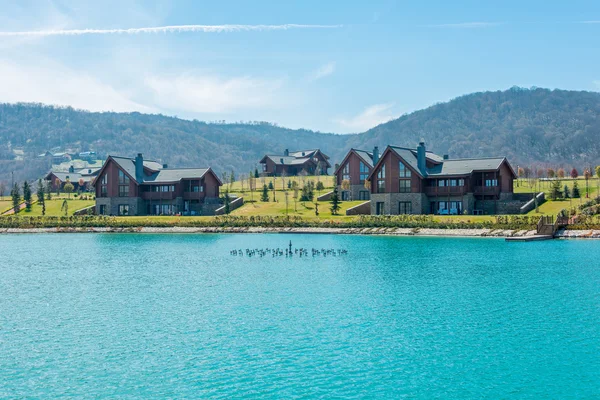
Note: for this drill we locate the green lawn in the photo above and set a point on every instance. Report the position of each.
(328, 182)
(525, 186)
(304, 210)
(53, 207)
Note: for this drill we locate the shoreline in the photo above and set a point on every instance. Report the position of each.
(423, 232)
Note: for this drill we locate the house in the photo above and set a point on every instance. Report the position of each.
(355, 169)
(56, 158)
(309, 162)
(134, 186)
(80, 179)
(416, 181)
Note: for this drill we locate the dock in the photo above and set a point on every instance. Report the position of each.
(532, 238)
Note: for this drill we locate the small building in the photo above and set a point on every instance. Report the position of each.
(355, 169)
(309, 162)
(134, 186)
(416, 181)
(80, 181)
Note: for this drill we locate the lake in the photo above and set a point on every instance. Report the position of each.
(143, 315)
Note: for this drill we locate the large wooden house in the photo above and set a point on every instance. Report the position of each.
(309, 162)
(352, 173)
(134, 186)
(416, 181)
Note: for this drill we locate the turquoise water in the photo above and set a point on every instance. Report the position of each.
(109, 315)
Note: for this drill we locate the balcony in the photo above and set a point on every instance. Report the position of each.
(193, 195)
(158, 195)
(445, 190)
(486, 191)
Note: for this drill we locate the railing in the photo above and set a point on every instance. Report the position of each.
(159, 195)
(486, 190)
(193, 195)
(445, 190)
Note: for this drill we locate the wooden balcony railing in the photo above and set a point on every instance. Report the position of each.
(445, 190)
(486, 190)
(159, 195)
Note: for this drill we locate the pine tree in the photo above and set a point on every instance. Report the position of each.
(271, 187)
(566, 192)
(48, 190)
(335, 202)
(227, 202)
(320, 186)
(41, 196)
(65, 207)
(265, 194)
(27, 195)
(575, 193)
(256, 172)
(15, 194)
(555, 190)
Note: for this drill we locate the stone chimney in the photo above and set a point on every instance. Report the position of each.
(139, 168)
(286, 153)
(71, 169)
(446, 156)
(375, 154)
(165, 166)
(421, 163)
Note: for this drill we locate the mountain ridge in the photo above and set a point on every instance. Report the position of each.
(529, 126)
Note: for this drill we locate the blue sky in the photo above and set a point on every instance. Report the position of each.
(375, 60)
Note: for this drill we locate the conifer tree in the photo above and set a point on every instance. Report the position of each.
(566, 192)
(15, 194)
(41, 196)
(27, 195)
(265, 194)
(335, 202)
(256, 172)
(575, 193)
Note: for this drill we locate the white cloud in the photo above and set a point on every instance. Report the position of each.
(212, 94)
(465, 25)
(368, 118)
(55, 84)
(166, 29)
(323, 71)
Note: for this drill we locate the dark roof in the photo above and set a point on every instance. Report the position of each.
(300, 157)
(448, 167)
(74, 177)
(160, 174)
(366, 156)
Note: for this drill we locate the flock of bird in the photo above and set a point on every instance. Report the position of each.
(288, 252)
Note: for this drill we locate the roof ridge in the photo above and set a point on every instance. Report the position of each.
(474, 158)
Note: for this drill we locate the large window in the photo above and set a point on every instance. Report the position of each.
(363, 195)
(346, 172)
(123, 184)
(364, 172)
(404, 186)
(491, 182)
(123, 209)
(379, 208)
(104, 186)
(381, 179)
(102, 210)
(405, 207)
(404, 172)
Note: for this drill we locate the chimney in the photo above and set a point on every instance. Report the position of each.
(421, 156)
(165, 166)
(375, 154)
(286, 153)
(71, 169)
(446, 156)
(139, 168)
(89, 171)
(281, 160)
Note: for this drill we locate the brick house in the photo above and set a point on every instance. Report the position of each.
(355, 168)
(416, 181)
(126, 186)
(294, 163)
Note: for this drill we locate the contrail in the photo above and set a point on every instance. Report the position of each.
(169, 29)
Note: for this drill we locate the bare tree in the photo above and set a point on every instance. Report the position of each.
(283, 176)
(2, 189)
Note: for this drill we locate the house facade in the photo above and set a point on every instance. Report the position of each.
(309, 162)
(81, 178)
(126, 186)
(352, 174)
(416, 181)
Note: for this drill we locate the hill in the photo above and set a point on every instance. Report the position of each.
(530, 126)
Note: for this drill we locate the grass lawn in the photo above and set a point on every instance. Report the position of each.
(306, 210)
(328, 182)
(5, 204)
(53, 207)
(546, 186)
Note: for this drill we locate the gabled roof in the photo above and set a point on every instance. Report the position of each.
(308, 153)
(158, 173)
(365, 156)
(74, 177)
(448, 167)
(288, 160)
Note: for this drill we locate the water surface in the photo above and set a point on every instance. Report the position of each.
(133, 315)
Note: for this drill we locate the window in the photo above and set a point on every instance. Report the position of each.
(403, 171)
(491, 182)
(405, 207)
(404, 186)
(123, 209)
(381, 179)
(453, 182)
(364, 172)
(104, 186)
(102, 209)
(123, 190)
(123, 179)
(441, 182)
(363, 195)
(379, 208)
(345, 195)
(346, 172)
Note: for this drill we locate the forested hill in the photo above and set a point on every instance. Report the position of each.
(536, 126)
